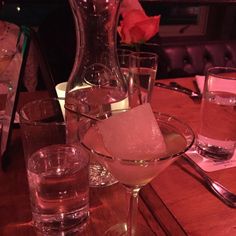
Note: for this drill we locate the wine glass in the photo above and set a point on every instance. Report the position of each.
(135, 173)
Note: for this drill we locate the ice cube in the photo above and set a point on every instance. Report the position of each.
(133, 135)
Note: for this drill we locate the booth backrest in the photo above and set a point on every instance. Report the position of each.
(195, 58)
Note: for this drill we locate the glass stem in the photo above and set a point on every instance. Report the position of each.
(132, 210)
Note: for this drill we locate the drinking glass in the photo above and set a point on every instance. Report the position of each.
(135, 173)
(42, 124)
(217, 134)
(123, 58)
(59, 188)
(143, 70)
(57, 172)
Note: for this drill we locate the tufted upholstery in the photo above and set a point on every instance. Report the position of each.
(195, 58)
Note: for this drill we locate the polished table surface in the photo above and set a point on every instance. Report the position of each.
(174, 203)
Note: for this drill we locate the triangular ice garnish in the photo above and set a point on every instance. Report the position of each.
(133, 135)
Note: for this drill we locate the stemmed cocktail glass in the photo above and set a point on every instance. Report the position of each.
(135, 173)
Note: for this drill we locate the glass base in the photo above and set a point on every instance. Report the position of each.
(60, 224)
(121, 230)
(99, 176)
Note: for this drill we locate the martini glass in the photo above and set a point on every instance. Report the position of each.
(134, 174)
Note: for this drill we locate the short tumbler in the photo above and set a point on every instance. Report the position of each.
(59, 188)
(217, 135)
(42, 124)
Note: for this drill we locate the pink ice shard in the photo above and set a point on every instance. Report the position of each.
(133, 135)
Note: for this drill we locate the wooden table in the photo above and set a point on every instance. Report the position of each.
(175, 203)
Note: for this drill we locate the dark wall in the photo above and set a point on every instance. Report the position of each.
(56, 30)
(31, 12)
(220, 24)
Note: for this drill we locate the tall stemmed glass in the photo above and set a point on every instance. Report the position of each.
(135, 173)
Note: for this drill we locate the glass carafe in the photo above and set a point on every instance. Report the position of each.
(96, 84)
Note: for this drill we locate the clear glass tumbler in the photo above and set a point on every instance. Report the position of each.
(142, 75)
(217, 134)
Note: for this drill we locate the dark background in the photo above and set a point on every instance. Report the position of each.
(53, 21)
(221, 18)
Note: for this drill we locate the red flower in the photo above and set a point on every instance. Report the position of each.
(128, 5)
(136, 26)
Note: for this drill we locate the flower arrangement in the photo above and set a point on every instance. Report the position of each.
(135, 26)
